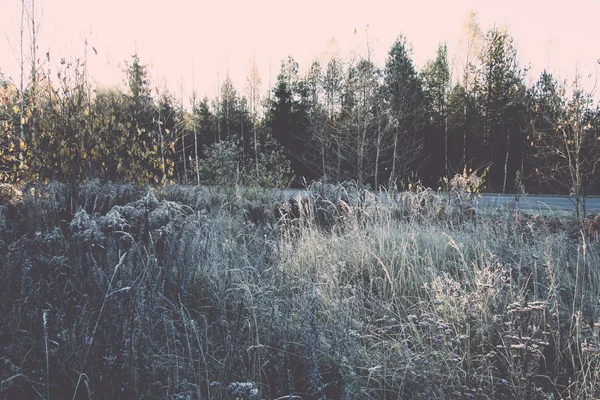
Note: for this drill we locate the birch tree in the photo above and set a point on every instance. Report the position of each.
(332, 87)
(566, 135)
(359, 117)
(253, 87)
(471, 41)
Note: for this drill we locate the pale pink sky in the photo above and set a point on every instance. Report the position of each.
(224, 35)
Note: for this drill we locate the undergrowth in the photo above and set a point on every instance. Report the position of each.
(112, 291)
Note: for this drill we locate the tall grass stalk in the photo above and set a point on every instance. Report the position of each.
(186, 292)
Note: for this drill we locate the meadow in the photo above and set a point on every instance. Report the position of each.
(114, 291)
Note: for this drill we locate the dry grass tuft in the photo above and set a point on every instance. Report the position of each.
(116, 292)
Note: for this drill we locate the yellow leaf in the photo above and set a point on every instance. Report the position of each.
(22, 145)
(16, 109)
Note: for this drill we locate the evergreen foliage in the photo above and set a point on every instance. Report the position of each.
(338, 120)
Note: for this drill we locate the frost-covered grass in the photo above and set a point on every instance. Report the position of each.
(185, 292)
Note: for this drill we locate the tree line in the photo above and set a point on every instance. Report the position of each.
(380, 126)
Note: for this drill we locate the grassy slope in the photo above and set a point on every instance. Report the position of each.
(186, 293)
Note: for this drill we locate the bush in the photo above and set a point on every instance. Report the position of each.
(225, 165)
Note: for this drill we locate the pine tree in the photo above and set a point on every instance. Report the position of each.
(436, 85)
(503, 98)
(139, 158)
(404, 94)
(287, 116)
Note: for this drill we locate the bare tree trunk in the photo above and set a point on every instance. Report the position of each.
(194, 127)
(491, 133)
(255, 147)
(90, 119)
(162, 148)
(577, 177)
(523, 157)
(243, 138)
(339, 159)
(183, 136)
(254, 82)
(464, 155)
(227, 122)
(22, 65)
(506, 162)
(160, 134)
(446, 147)
(393, 174)
(218, 110)
(377, 152)
(361, 148)
(323, 159)
(34, 46)
(33, 76)
(195, 138)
